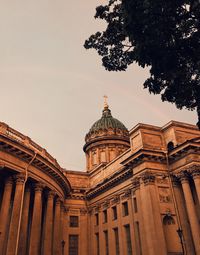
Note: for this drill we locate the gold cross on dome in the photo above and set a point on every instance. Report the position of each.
(105, 101)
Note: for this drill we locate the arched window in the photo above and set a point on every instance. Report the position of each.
(170, 146)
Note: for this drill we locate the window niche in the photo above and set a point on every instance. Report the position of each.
(96, 219)
(73, 244)
(114, 212)
(105, 216)
(125, 208)
(73, 221)
(94, 158)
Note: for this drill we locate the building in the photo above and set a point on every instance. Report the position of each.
(140, 193)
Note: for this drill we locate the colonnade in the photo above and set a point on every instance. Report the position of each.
(31, 218)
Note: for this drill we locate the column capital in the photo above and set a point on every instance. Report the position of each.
(182, 176)
(51, 194)
(106, 204)
(148, 178)
(19, 178)
(39, 186)
(97, 208)
(195, 173)
(83, 211)
(175, 180)
(115, 199)
(127, 194)
(59, 201)
(136, 183)
(9, 181)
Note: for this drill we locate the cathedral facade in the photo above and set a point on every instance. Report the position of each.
(139, 195)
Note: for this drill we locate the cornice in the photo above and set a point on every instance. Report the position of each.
(77, 194)
(25, 153)
(143, 155)
(174, 123)
(186, 173)
(110, 182)
(117, 198)
(76, 197)
(171, 123)
(184, 149)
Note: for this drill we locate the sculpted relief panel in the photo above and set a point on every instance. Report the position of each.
(164, 195)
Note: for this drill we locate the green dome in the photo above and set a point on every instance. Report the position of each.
(107, 122)
(107, 129)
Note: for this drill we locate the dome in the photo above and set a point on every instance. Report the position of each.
(107, 122)
(106, 140)
(107, 126)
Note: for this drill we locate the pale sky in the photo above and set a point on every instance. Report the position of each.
(52, 88)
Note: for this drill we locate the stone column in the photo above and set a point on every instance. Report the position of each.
(57, 226)
(15, 217)
(191, 212)
(196, 177)
(187, 236)
(35, 235)
(49, 224)
(4, 213)
(24, 223)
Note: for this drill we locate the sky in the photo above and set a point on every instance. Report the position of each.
(51, 88)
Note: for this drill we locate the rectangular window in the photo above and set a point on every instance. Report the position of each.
(116, 236)
(125, 208)
(73, 221)
(135, 204)
(106, 242)
(105, 216)
(128, 239)
(97, 243)
(97, 219)
(114, 212)
(73, 244)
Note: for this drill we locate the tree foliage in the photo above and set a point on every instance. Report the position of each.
(164, 35)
